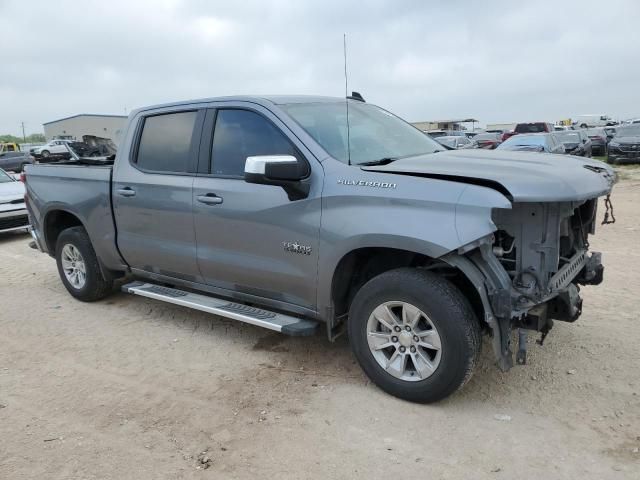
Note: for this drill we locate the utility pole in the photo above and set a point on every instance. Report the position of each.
(24, 137)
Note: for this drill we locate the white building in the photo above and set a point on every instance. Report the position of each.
(507, 127)
(106, 126)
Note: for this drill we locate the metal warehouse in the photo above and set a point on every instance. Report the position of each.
(74, 127)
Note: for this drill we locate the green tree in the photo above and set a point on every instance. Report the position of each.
(36, 138)
(32, 138)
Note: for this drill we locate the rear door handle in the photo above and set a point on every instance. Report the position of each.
(126, 192)
(209, 199)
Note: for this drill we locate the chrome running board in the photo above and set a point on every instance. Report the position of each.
(255, 316)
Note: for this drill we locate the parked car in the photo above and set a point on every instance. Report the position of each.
(455, 142)
(528, 127)
(625, 146)
(437, 133)
(15, 160)
(593, 120)
(13, 212)
(448, 133)
(487, 141)
(56, 148)
(533, 142)
(9, 147)
(575, 142)
(599, 140)
(281, 223)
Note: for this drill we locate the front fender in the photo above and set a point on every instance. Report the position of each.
(427, 216)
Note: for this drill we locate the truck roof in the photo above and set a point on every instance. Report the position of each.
(260, 99)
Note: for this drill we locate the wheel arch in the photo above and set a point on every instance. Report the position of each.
(55, 221)
(359, 265)
(58, 219)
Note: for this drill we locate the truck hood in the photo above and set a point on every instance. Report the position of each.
(626, 139)
(520, 176)
(10, 191)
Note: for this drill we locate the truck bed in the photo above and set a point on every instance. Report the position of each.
(78, 189)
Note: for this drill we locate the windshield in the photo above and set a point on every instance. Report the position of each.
(568, 137)
(530, 128)
(374, 133)
(524, 140)
(628, 131)
(4, 177)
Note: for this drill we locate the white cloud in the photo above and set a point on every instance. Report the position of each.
(496, 61)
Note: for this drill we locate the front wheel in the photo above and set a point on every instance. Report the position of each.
(414, 334)
(45, 154)
(78, 266)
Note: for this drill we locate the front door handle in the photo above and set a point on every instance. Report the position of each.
(209, 199)
(126, 192)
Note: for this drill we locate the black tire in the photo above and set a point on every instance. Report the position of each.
(584, 125)
(95, 286)
(45, 154)
(450, 313)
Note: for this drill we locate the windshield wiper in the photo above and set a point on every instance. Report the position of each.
(382, 161)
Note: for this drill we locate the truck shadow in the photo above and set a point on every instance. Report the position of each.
(9, 237)
(321, 361)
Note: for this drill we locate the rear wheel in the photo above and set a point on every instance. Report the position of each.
(414, 334)
(78, 266)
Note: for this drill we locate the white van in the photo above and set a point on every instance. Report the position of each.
(593, 120)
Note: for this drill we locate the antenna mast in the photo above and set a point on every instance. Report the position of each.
(346, 94)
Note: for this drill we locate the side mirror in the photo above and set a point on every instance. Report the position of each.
(285, 171)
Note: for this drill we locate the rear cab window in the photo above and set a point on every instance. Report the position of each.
(166, 142)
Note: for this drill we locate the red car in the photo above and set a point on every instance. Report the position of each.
(531, 127)
(488, 141)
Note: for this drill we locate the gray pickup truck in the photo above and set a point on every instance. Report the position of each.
(294, 212)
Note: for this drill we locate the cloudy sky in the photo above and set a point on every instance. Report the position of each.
(495, 61)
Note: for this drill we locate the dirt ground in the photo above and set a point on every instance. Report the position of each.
(130, 388)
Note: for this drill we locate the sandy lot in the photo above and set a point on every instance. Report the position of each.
(132, 388)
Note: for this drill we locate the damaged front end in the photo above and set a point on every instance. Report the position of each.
(529, 272)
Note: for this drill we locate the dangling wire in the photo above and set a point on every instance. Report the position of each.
(608, 210)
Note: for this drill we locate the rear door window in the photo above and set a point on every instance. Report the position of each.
(166, 142)
(240, 134)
